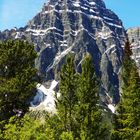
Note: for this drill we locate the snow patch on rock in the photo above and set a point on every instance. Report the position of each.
(111, 107)
(45, 98)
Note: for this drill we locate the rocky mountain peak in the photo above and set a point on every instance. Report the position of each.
(76, 26)
(91, 2)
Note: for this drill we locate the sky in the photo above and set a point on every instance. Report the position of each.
(127, 10)
(16, 13)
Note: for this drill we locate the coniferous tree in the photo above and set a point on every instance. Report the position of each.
(126, 120)
(89, 115)
(68, 98)
(17, 77)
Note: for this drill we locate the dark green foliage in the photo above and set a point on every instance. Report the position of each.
(127, 63)
(79, 115)
(68, 94)
(127, 49)
(17, 76)
(126, 120)
(89, 115)
(78, 108)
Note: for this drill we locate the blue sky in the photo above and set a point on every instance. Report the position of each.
(127, 10)
(16, 13)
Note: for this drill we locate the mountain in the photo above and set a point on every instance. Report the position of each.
(76, 26)
(134, 37)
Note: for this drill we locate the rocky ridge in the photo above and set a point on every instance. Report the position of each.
(76, 26)
(134, 37)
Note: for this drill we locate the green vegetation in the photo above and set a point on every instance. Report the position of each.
(79, 114)
(17, 77)
(89, 115)
(127, 119)
(66, 105)
(78, 108)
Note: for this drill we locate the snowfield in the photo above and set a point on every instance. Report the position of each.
(45, 98)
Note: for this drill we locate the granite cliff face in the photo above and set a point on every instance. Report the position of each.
(134, 38)
(76, 26)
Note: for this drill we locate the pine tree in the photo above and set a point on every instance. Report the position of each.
(68, 94)
(126, 120)
(127, 63)
(17, 77)
(78, 108)
(89, 115)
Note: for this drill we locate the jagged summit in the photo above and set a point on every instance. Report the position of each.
(68, 26)
(90, 8)
(76, 1)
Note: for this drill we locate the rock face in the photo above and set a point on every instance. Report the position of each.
(134, 38)
(76, 26)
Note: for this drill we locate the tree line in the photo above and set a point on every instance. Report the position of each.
(79, 113)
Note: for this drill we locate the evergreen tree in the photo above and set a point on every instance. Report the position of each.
(68, 98)
(89, 115)
(127, 63)
(126, 120)
(17, 77)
